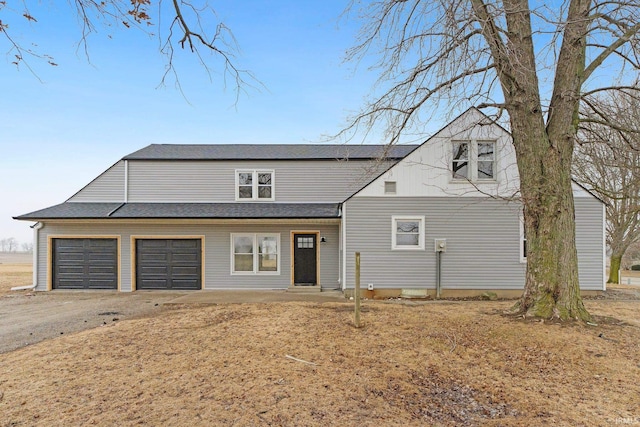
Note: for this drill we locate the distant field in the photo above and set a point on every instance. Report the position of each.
(16, 258)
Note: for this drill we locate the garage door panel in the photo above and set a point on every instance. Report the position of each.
(168, 264)
(85, 263)
(100, 257)
(185, 284)
(66, 257)
(102, 271)
(153, 284)
(148, 271)
(187, 258)
(192, 271)
(185, 243)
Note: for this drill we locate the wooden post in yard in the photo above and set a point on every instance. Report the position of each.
(357, 290)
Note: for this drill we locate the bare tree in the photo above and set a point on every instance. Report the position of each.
(535, 64)
(193, 26)
(27, 247)
(607, 162)
(11, 244)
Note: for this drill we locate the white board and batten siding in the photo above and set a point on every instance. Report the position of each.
(304, 181)
(216, 246)
(426, 172)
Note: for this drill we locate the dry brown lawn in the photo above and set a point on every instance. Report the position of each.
(444, 363)
(14, 275)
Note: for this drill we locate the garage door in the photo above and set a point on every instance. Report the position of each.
(168, 264)
(85, 263)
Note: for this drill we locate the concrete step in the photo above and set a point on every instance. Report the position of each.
(304, 289)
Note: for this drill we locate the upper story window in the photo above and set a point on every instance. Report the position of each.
(474, 160)
(255, 185)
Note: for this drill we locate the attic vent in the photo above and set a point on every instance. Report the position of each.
(389, 187)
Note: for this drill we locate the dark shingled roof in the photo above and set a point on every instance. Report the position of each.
(71, 210)
(268, 152)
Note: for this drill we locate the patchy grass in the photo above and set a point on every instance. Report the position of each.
(444, 363)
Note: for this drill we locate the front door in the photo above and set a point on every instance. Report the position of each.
(305, 261)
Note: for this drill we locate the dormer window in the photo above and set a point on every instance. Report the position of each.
(252, 185)
(474, 160)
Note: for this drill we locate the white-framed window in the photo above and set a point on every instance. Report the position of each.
(407, 232)
(254, 185)
(523, 239)
(390, 187)
(473, 160)
(255, 253)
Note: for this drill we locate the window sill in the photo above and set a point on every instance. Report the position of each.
(253, 273)
(476, 182)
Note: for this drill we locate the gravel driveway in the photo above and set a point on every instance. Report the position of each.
(28, 318)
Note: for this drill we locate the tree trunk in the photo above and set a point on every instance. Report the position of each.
(544, 152)
(552, 287)
(614, 268)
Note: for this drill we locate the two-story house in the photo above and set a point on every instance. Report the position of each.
(292, 216)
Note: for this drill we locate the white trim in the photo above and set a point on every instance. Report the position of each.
(421, 222)
(523, 257)
(395, 187)
(126, 181)
(255, 186)
(36, 252)
(472, 161)
(343, 228)
(255, 253)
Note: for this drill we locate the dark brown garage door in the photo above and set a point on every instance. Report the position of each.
(168, 264)
(85, 263)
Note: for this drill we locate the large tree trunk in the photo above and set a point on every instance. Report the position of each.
(544, 154)
(614, 268)
(552, 287)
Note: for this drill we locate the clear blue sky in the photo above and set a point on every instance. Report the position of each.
(58, 134)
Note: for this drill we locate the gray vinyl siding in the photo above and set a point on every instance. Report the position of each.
(107, 187)
(483, 238)
(589, 242)
(217, 250)
(214, 181)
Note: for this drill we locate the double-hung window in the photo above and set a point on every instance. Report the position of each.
(407, 232)
(255, 185)
(473, 160)
(255, 253)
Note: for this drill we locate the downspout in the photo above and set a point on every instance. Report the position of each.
(344, 246)
(37, 226)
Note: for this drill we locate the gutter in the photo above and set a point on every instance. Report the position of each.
(37, 226)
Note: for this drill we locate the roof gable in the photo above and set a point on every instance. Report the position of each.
(426, 169)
